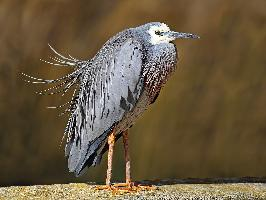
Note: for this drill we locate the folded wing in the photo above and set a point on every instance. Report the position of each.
(109, 88)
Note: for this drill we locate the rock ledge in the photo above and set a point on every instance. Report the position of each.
(243, 188)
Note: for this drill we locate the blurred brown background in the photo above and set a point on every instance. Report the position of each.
(209, 121)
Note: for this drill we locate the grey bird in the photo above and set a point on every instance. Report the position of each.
(112, 90)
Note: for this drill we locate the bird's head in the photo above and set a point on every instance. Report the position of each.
(161, 33)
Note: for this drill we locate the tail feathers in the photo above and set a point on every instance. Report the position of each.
(82, 156)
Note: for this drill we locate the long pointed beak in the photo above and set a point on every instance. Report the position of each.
(177, 35)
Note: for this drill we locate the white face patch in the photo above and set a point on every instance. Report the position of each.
(157, 38)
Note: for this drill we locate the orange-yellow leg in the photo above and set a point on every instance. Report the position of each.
(127, 157)
(111, 143)
(128, 186)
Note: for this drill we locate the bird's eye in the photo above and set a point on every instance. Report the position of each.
(158, 32)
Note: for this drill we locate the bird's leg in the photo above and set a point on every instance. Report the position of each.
(127, 157)
(128, 184)
(111, 142)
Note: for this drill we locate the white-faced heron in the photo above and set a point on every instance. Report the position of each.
(112, 90)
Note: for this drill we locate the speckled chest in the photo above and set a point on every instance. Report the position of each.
(162, 63)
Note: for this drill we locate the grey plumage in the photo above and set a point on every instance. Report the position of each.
(113, 88)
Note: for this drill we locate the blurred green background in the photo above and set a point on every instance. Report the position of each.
(209, 120)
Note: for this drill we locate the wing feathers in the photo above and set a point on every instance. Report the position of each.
(105, 96)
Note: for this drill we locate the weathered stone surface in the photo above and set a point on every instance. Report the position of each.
(245, 188)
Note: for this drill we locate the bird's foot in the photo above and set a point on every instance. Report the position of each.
(103, 187)
(140, 187)
(120, 188)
